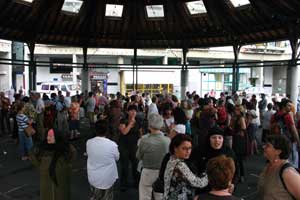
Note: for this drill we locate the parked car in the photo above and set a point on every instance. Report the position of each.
(55, 86)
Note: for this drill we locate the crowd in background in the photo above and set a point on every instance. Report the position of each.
(171, 149)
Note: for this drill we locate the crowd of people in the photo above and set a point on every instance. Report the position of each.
(168, 149)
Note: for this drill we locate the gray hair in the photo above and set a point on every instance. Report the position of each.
(155, 121)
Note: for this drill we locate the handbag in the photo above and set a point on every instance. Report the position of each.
(29, 131)
(158, 186)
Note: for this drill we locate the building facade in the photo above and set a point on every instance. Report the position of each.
(110, 69)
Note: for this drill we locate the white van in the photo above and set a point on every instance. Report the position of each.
(55, 86)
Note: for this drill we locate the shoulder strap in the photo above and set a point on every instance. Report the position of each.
(283, 167)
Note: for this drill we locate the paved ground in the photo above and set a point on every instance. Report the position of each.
(20, 181)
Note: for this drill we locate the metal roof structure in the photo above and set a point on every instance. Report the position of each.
(219, 24)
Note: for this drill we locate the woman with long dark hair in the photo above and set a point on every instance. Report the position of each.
(179, 181)
(53, 158)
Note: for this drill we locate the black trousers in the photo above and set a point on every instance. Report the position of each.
(4, 118)
(128, 157)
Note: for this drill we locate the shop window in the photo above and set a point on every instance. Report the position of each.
(174, 61)
(151, 88)
(149, 61)
(193, 62)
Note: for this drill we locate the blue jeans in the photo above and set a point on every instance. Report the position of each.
(294, 159)
(25, 143)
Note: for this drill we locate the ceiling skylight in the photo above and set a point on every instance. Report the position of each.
(24, 1)
(155, 11)
(113, 10)
(29, 1)
(72, 6)
(237, 3)
(196, 7)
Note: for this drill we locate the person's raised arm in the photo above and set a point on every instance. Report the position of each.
(125, 129)
(194, 180)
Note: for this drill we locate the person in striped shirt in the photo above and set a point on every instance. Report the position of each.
(25, 143)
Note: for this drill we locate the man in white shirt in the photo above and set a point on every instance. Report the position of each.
(102, 169)
(68, 100)
(153, 106)
(267, 122)
(39, 109)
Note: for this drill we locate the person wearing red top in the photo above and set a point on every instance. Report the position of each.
(290, 131)
(222, 114)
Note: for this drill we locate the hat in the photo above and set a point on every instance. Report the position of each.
(252, 113)
(216, 130)
(179, 128)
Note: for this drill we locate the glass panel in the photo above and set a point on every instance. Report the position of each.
(237, 3)
(129, 86)
(211, 77)
(140, 87)
(212, 85)
(205, 85)
(219, 86)
(63, 88)
(196, 7)
(72, 87)
(113, 10)
(45, 87)
(154, 11)
(205, 77)
(72, 6)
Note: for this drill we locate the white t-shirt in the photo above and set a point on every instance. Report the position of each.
(40, 106)
(67, 101)
(101, 163)
(267, 119)
(152, 109)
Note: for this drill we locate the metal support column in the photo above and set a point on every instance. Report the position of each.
(184, 74)
(32, 67)
(235, 70)
(136, 68)
(85, 72)
(292, 71)
(17, 53)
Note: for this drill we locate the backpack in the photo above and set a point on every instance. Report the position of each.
(283, 167)
(278, 126)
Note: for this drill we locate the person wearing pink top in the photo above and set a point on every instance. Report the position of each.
(74, 118)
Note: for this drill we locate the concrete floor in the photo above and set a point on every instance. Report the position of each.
(20, 181)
